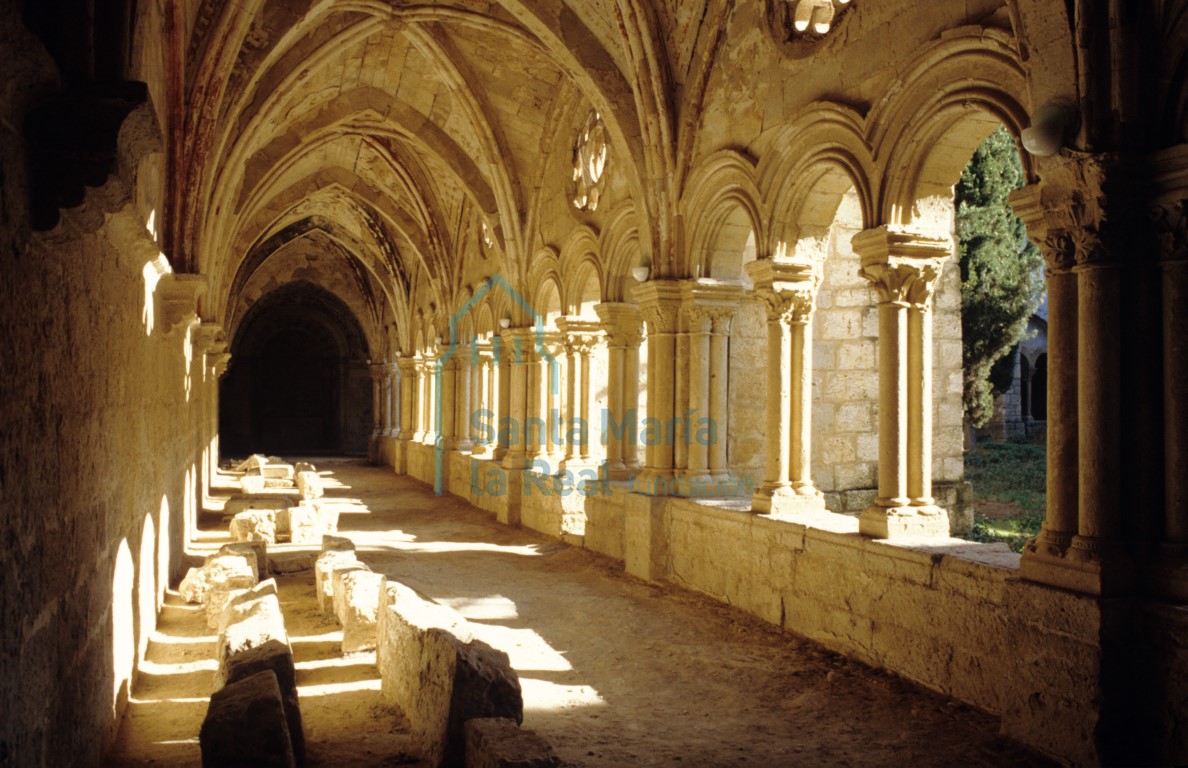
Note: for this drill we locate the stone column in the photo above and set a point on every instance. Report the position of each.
(581, 337)
(659, 304)
(620, 322)
(462, 394)
(386, 405)
(417, 409)
(788, 289)
(903, 268)
(699, 325)
(1060, 523)
(1172, 221)
(447, 408)
(719, 395)
(395, 398)
(408, 394)
(540, 368)
(432, 379)
(378, 377)
(515, 363)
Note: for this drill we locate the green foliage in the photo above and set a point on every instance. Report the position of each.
(1012, 473)
(1001, 279)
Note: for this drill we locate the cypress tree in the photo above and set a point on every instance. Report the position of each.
(1001, 272)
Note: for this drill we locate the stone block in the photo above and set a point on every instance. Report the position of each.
(327, 516)
(277, 657)
(324, 570)
(310, 485)
(246, 725)
(337, 544)
(304, 466)
(250, 623)
(252, 483)
(193, 587)
(433, 669)
(498, 742)
(216, 600)
(256, 550)
(338, 588)
(254, 525)
(302, 524)
(242, 503)
(253, 462)
(359, 610)
(277, 471)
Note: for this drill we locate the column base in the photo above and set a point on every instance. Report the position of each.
(1091, 568)
(787, 499)
(651, 482)
(1049, 543)
(881, 522)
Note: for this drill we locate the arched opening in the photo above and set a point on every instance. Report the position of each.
(298, 381)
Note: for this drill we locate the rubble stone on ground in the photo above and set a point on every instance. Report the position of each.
(278, 657)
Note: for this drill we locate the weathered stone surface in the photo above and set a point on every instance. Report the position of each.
(253, 462)
(256, 525)
(251, 621)
(277, 471)
(302, 524)
(272, 502)
(327, 515)
(310, 485)
(246, 725)
(358, 609)
(257, 550)
(337, 544)
(323, 573)
(252, 483)
(277, 657)
(338, 591)
(304, 466)
(193, 587)
(499, 742)
(438, 674)
(217, 599)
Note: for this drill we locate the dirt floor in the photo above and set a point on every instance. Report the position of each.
(615, 672)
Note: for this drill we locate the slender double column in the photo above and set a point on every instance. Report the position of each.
(660, 302)
(702, 413)
(580, 427)
(788, 289)
(903, 267)
(408, 387)
(393, 400)
(513, 433)
(620, 426)
(463, 385)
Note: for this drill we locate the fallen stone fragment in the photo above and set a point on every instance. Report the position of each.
(277, 471)
(254, 525)
(255, 461)
(302, 524)
(252, 483)
(438, 674)
(310, 485)
(246, 725)
(304, 466)
(257, 550)
(358, 607)
(327, 515)
(332, 597)
(193, 587)
(337, 544)
(251, 622)
(216, 600)
(278, 657)
(498, 742)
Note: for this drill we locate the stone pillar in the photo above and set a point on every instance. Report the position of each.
(386, 404)
(582, 338)
(394, 398)
(515, 342)
(484, 375)
(447, 408)
(620, 323)
(1173, 219)
(417, 409)
(788, 289)
(719, 395)
(705, 304)
(903, 268)
(659, 304)
(378, 380)
(541, 368)
(432, 376)
(408, 383)
(462, 396)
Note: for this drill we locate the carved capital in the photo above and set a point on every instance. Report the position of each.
(177, 299)
(911, 284)
(205, 336)
(620, 323)
(788, 307)
(1170, 221)
(660, 318)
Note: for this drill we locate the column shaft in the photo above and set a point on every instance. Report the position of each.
(719, 405)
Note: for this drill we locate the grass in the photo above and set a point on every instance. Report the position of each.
(1011, 473)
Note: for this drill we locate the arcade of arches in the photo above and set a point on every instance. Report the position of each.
(698, 254)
